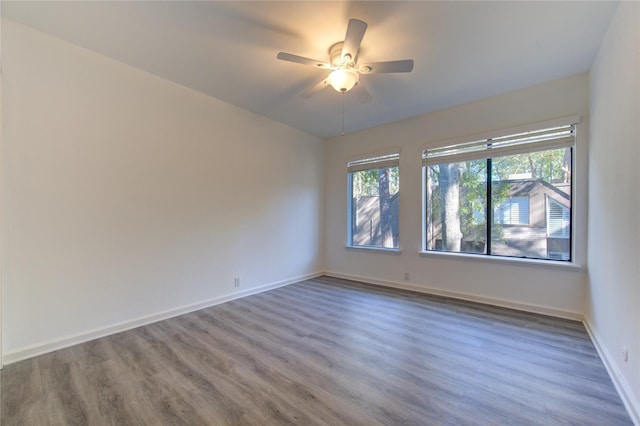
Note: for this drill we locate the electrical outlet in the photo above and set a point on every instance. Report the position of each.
(406, 276)
(236, 282)
(625, 354)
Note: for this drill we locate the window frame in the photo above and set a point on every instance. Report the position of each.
(574, 122)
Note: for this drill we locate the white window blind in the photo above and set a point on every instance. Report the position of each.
(555, 255)
(377, 160)
(513, 211)
(531, 141)
(558, 220)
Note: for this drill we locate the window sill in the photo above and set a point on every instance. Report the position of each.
(500, 259)
(375, 249)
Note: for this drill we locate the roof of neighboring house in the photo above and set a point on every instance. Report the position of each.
(523, 187)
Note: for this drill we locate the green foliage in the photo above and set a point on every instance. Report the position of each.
(365, 182)
(473, 194)
(552, 166)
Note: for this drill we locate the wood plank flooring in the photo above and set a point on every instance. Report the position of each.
(324, 352)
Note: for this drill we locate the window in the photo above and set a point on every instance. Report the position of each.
(512, 211)
(374, 188)
(558, 220)
(558, 230)
(504, 196)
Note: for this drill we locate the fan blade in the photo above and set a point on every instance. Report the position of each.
(315, 89)
(283, 56)
(386, 67)
(353, 38)
(362, 94)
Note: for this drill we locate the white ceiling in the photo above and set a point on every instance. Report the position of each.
(463, 51)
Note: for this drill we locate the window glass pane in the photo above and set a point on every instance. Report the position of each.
(531, 199)
(374, 207)
(456, 206)
(528, 199)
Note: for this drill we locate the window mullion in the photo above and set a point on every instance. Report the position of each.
(489, 214)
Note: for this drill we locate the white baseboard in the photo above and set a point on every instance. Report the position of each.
(629, 400)
(577, 316)
(64, 342)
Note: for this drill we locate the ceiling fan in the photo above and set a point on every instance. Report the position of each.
(343, 63)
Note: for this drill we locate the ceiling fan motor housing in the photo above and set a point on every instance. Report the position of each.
(336, 59)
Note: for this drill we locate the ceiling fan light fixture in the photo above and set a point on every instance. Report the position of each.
(343, 80)
(343, 61)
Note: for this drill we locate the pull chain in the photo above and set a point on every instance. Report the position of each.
(343, 113)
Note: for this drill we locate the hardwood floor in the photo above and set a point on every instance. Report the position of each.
(324, 352)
